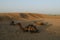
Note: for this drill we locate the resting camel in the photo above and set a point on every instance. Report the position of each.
(30, 28)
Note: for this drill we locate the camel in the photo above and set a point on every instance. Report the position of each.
(30, 28)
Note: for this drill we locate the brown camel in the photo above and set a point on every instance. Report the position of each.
(30, 28)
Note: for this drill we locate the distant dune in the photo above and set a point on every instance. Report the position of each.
(21, 16)
(27, 16)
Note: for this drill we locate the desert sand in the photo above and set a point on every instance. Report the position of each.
(10, 32)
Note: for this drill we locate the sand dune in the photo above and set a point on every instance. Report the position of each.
(28, 16)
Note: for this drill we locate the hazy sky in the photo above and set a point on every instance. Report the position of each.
(39, 6)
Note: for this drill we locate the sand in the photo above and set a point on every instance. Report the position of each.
(10, 32)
